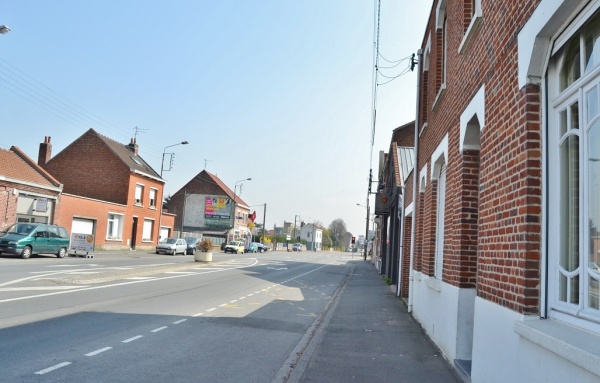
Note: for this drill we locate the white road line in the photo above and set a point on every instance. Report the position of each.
(209, 310)
(98, 351)
(235, 300)
(40, 288)
(55, 367)
(179, 321)
(242, 298)
(97, 287)
(197, 315)
(159, 329)
(132, 339)
(249, 295)
(223, 305)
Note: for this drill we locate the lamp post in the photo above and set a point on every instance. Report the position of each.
(162, 164)
(235, 203)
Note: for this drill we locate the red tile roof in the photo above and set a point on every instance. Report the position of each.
(15, 164)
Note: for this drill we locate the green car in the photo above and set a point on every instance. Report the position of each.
(25, 239)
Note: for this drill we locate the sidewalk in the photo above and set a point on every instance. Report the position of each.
(372, 338)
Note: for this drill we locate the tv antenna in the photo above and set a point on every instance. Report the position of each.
(205, 162)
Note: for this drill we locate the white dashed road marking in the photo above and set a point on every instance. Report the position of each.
(159, 329)
(55, 367)
(132, 339)
(98, 351)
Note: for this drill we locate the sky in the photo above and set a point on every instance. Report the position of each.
(278, 91)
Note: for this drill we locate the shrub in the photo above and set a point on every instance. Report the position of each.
(205, 245)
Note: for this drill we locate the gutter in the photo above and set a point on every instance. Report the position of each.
(415, 191)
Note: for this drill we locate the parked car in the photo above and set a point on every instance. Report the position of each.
(251, 248)
(261, 248)
(25, 239)
(172, 246)
(192, 245)
(297, 247)
(235, 247)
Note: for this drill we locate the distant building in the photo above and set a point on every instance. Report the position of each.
(207, 206)
(313, 237)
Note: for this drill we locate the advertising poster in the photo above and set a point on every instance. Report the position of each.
(218, 211)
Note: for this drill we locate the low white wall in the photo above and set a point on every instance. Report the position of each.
(501, 355)
(446, 314)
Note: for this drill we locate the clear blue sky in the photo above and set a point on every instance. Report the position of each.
(279, 91)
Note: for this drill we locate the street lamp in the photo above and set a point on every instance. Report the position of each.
(4, 29)
(235, 204)
(162, 163)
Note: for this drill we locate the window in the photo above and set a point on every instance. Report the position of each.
(139, 193)
(114, 227)
(574, 178)
(147, 230)
(439, 226)
(153, 198)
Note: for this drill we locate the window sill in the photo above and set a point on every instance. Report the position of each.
(439, 96)
(471, 31)
(434, 284)
(138, 205)
(147, 240)
(114, 239)
(571, 343)
(152, 207)
(423, 128)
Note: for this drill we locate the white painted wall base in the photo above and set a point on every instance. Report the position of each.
(501, 355)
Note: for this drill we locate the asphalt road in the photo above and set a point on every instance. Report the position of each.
(152, 318)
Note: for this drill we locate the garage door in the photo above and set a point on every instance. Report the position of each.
(82, 226)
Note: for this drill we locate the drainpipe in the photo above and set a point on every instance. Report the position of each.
(415, 183)
(401, 241)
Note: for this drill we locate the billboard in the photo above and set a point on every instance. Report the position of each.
(217, 207)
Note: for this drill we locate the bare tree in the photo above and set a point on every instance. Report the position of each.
(337, 229)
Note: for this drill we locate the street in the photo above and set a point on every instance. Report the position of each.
(155, 318)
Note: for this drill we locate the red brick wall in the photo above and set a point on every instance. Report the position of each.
(404, 278)
(508, 232)
(88, 167)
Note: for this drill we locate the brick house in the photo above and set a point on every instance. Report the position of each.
(27, 192)
(207, 206)
(391, 256)
(109, 191)
(503, 222)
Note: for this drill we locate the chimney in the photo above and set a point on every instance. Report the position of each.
(45, 152)
(133, 146)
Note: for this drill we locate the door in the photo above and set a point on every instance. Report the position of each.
(40, 239)
(134, 232)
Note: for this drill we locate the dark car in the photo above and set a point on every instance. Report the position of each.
(192, 245)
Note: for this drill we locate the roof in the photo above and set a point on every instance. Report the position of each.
(127, 155)
(225, 188)
(406, 157)
(205, 176)
(15, 164)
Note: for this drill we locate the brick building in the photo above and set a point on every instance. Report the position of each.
(109, 191)
(391, 256)
(503, 221)
(207, 206)
(27, 192)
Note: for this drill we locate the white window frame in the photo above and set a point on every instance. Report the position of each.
(114, 226)
(152, 198)
(439, 159)
(139, 195)
(578, 314)
(147, 230)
